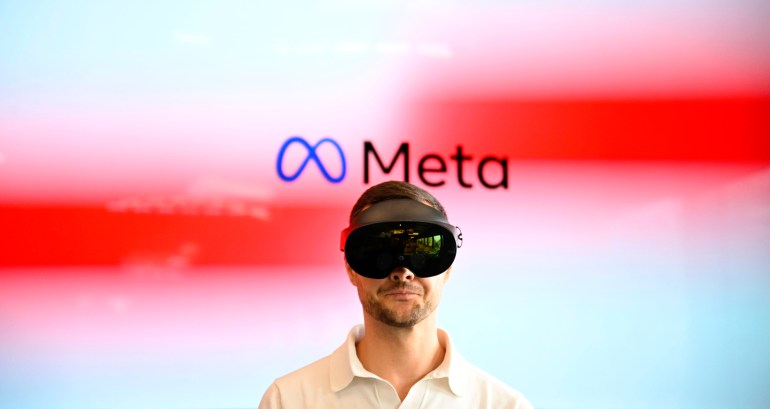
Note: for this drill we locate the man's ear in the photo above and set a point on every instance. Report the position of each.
(447, 273)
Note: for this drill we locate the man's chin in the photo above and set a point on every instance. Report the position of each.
(396, 313)
(402, 319)
(409, 323)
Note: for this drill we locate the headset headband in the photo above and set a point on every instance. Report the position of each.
(400, 210)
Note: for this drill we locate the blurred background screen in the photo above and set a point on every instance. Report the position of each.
(174, 176)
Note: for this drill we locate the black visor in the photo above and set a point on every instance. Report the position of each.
(375, 246)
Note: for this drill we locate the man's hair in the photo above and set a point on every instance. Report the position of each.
(394, 190)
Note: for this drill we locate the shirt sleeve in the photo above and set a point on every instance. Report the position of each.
(272, 398)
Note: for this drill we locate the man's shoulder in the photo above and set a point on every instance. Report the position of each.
(312, 373)
(492, 388)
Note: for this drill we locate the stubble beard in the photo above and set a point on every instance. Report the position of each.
(393, 318)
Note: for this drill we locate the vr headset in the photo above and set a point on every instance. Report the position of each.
(400, 233)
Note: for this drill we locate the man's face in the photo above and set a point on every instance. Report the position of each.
(400, 300)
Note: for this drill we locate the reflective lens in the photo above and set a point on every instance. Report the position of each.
(375, 250)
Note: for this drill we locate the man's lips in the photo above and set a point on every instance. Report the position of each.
(403, 292)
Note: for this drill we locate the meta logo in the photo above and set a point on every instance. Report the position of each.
(311, 155)
(432, 168)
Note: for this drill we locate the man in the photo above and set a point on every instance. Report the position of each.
(399, 249)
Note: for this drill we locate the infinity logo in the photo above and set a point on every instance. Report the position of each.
(311, 155)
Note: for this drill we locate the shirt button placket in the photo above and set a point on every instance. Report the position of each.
(414, 398)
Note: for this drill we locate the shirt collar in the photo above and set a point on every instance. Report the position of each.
(454, 367)
(345, 365)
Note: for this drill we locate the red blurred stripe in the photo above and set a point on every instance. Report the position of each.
(709, 129)
(70, 235)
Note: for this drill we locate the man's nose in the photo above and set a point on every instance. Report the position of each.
(401, 274)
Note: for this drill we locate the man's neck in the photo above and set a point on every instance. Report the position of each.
(401, 356)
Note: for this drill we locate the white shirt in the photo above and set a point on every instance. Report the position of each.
(340, 381)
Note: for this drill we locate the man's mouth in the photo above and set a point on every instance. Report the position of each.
(403, 291)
